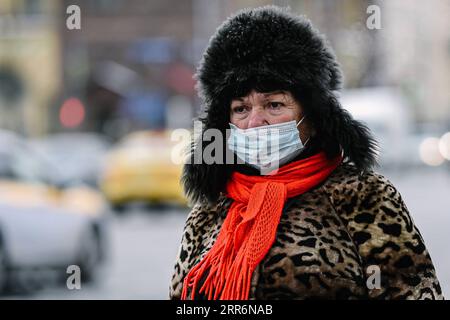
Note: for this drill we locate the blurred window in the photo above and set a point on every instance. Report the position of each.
(19, 162)
(101, 7)
(26, 167)
(11, 86)
(5, 166)
(32, 6)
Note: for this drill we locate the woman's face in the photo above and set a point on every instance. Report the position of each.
(261, 109)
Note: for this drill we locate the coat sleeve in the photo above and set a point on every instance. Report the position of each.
(184, 255)
(389, 244)
(195, 241)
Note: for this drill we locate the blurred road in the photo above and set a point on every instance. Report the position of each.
(144, 243)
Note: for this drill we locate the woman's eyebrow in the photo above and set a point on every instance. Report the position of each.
(272, 93)
(265, 94)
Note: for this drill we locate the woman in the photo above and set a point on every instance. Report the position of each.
(302, 215)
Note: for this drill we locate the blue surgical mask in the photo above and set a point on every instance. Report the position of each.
(267, 147)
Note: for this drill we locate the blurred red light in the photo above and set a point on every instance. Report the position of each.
(72, 113)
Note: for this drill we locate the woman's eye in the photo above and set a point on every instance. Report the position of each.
(239, 109)
(275, 105)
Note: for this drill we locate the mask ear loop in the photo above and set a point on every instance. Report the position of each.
(301, 120)
(304, 144)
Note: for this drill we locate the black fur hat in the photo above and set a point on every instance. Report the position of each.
(269, 48)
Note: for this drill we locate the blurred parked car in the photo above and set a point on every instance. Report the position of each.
(79, 156)
(43, 227)
(140, 169)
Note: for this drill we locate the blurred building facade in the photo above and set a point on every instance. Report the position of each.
(411, 50)
(130, 65)
(122, 62)
(30, 64)
(416, 52)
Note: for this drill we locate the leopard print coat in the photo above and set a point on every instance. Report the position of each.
(332, 242)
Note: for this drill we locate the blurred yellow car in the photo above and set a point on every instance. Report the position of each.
(141, 168)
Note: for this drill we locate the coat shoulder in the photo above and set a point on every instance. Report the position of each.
(382, 229)
(353, 190)
(349, 175)
(369, 204)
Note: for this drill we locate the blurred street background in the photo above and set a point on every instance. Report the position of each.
(86, 116)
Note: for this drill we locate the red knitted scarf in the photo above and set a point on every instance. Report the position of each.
(249, 229)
